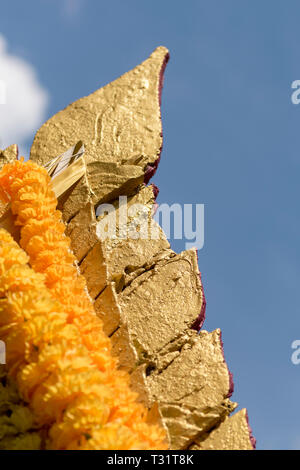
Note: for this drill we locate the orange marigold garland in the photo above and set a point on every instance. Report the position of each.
(28, 187)
(57, 350)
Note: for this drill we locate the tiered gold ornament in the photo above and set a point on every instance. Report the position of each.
(150, 299)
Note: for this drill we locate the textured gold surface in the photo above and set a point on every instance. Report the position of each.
(231, 434)
(190, 383)
(170, 297)
(9, 154)
(148, 297)
(120, 127)
(82, 231)
(200, 372)
(117, 259)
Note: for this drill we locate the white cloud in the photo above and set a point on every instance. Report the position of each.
(23, 97)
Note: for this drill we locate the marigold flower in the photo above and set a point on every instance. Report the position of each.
(17, 428)
(56, 347)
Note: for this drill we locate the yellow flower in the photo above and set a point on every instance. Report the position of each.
(56, 348)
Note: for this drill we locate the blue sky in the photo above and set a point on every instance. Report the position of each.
(230, 142)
